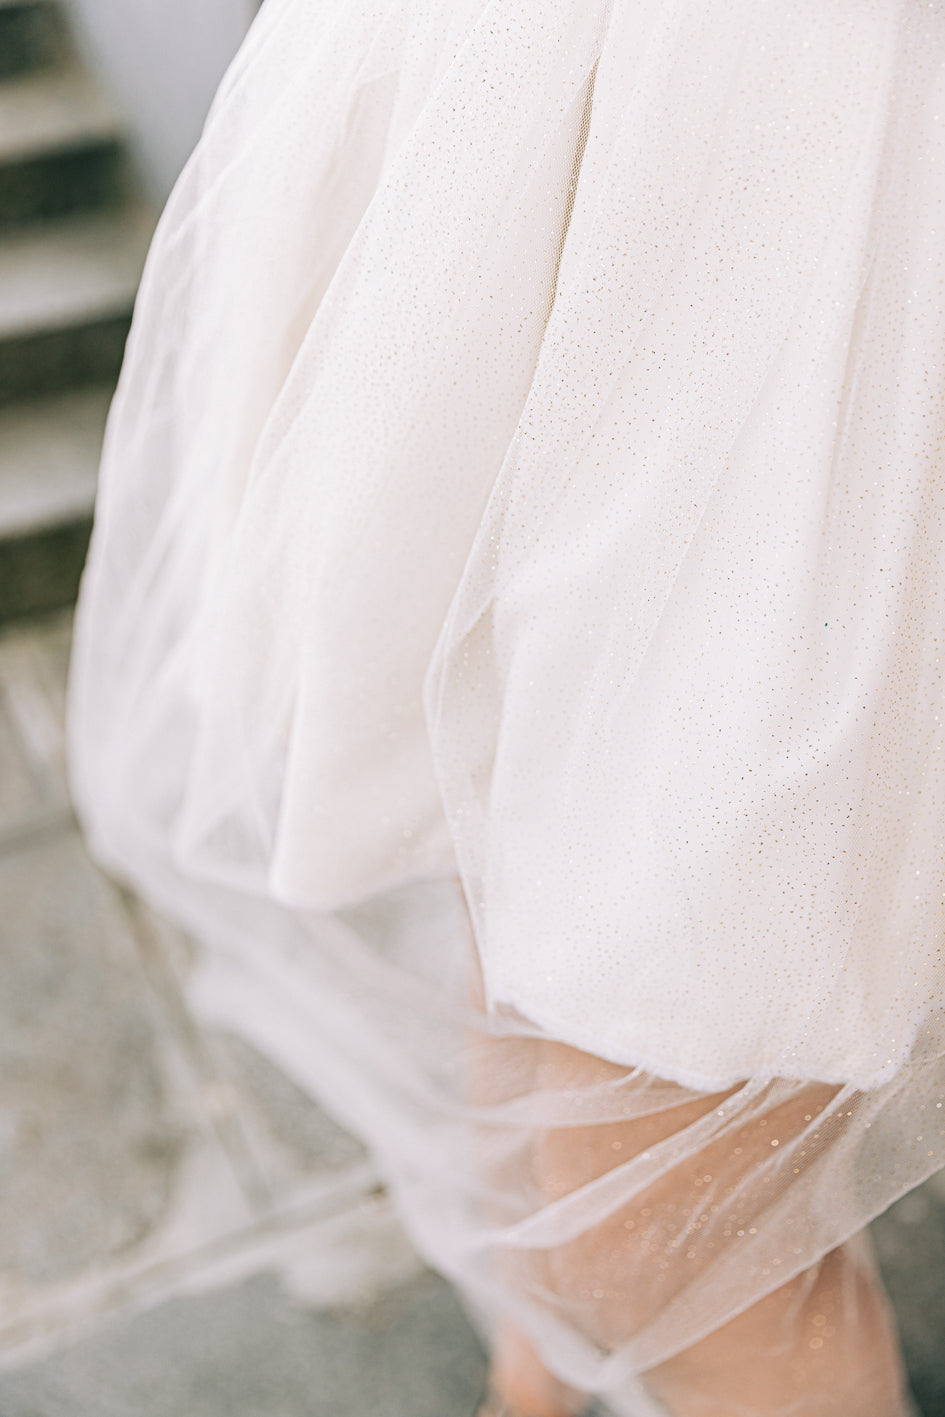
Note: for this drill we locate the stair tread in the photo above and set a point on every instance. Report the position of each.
(49, 456)
(53, 110)
(63, 272)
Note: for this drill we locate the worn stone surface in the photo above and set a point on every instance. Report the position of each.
(31, 35)
(59, 107)
(89, 1139)
(72, 246)
(250, 1352)
(60, 144)
(910, 1246)
(33, 788)
(49, 455)
(19, 792)
(41, 567)
(70, 271)
(139, 1153)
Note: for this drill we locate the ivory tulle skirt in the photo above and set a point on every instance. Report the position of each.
(512, 638)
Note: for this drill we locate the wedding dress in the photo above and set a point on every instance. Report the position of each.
(512, 636)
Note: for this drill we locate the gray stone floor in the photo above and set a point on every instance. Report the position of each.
(182, 1232)
(247, 1352)
(181, 1229)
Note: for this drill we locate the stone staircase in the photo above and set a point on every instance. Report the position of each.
(72, 244)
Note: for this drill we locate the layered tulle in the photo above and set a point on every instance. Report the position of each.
(528, 466)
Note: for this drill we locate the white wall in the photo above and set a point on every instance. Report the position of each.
(161, 61)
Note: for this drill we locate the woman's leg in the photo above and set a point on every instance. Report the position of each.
(821, 1345)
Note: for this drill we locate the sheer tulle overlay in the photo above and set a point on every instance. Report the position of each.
(512, 641)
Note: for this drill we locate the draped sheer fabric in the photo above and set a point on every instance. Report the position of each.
(511, 640)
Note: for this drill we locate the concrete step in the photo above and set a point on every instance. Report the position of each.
(49, 455)
(66, 296)
(60, 146)
(31, 35)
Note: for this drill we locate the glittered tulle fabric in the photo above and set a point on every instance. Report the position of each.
(512, 637)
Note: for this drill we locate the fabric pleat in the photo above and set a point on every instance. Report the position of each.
(512, 639)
